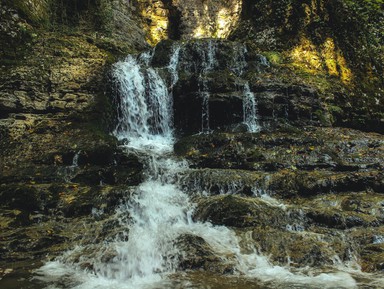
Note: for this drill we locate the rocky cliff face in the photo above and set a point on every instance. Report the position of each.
(333, 46)
(337, 44)
(55, 114)
(174, 19)
(311, 66)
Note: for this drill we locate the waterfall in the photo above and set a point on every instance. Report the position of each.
(133, 109)
(173, 64)
(144, 109)
(207, 64)
(238, 67)
(145, 253)
(250, 109)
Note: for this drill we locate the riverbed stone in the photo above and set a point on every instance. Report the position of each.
(235, 211)
(197, 254)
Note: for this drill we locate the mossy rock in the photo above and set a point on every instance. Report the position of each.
(235, 211)
(28, 197)
(37, 11)
(78, 200)
(199, 255)
(301, 248)
(373, 257)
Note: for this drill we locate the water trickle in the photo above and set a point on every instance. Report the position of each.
(157, 212)
(153, 226)
(207, 65)
(250, 109)
(133, 109)
(173, 64)
(75, 161)
(238, 66)
(264, 61)
(159, 104)
(378, 239)
(70, 171)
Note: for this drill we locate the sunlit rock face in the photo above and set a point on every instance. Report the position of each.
(208, 18)
(155, 20)
(176, 19)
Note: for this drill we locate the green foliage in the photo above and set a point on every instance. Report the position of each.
(70, 12)
(35, 11)
(369, 11)
(91, 15)
(274, 57)
(367, 5)
(104, 15)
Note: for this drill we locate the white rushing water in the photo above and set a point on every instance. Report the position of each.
(159, 212)
(144, 108)
(250, 110)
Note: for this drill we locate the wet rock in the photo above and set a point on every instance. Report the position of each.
(27, 197)
(55, 114)
(348, 89)
(346, 210)
(62, 152)
(78, 200)
(310, 149)
(72, 223)
(373, 256)
(327, 181)
(369, 242)
(300, 249)
(198, 255)
(288, 183)
(235, 211)
(14, 218)
(224, 181)
(106, 165)
(284, 183)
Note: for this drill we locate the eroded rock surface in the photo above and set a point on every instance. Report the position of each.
(175, 19)
(307, 193)
(58, 163)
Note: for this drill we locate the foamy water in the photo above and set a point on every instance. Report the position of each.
(159, 211)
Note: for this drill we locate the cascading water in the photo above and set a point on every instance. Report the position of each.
(159, 212)
(145, 112)
(249, 99)
(207, 65)
(173, 63)
(249, 110)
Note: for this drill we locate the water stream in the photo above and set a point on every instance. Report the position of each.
(146, 253)
(207, 65)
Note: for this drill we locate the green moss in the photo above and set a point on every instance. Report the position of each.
(367, 6)
(322, 117)
(335, 109)
(114, 49)
(36, 11)
(104, 15)
(255, 155)
(274, 57)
